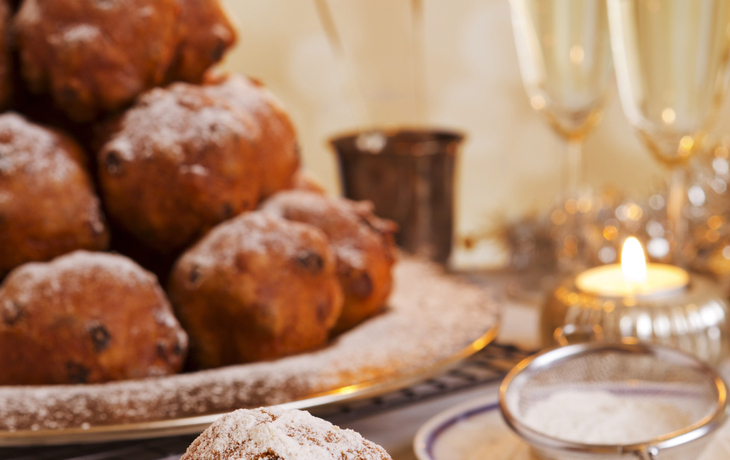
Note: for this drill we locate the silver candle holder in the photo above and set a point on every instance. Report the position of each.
(693, 319)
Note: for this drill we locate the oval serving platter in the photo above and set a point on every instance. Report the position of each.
(433, 321)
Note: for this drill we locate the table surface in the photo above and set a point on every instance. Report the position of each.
(392, 420)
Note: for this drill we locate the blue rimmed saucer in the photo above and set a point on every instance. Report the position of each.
(473, 430)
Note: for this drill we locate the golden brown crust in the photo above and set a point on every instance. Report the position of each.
(86, 318)
(363, 244)
(6, 63)
(47, 205)
(206, 32)
(277, 145)
(95, 56)
(305, 180)
(180, 163)
(256, 287)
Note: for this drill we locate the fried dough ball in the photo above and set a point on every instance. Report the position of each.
(277, 146)
(363, 244)
(86, 317)
(256, 287)
(47, 205)
(179, 163)
(95, 56)
(275, 433)
(206, 32)
(6, 59)
(305, 180)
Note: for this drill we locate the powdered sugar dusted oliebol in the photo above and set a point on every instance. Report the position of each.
(271, 433)
(431, 317)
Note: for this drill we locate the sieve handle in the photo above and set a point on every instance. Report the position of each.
(649, 454)
(576, 333)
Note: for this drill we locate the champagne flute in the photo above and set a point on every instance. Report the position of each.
(565, 62)
(671, 61)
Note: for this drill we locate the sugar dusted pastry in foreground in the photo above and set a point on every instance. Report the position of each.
(256, 287)
(362, 242)
(271, 433)
(179, 162)
(47, 204)
(86, 317)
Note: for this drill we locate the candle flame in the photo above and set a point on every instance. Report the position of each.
(633, 262)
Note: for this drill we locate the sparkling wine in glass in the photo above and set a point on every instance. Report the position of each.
(565, 61)
(671, 61)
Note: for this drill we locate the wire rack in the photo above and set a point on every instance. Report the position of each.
(485, 367)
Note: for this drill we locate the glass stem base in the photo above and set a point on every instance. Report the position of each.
(675, 212)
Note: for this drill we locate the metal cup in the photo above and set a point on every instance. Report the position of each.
(408, 174)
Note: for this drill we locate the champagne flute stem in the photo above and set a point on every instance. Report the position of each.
(573, 170)
(572, 237)
(675, 208)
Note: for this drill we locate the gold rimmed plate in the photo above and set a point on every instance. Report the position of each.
(433, 321)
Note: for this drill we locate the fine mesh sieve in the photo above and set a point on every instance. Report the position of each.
(645, 371)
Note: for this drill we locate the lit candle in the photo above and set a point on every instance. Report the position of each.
(633, 277)
(640, 302)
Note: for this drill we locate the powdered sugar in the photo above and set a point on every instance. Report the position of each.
(600, 417)
(253, 232)
(289, 435)
(84, 265)
(349, 254)
(80, 33)
(431, 317)
(165, 121)
(243, 93)
(194, 169)
(32, 149)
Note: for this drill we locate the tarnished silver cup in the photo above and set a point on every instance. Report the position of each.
(408, 174)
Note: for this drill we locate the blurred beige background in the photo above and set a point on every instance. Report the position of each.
(511, 161)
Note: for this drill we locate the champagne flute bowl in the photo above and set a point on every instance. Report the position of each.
(565, 62)
(671, 62)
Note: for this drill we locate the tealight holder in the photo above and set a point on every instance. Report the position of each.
(693, 319)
